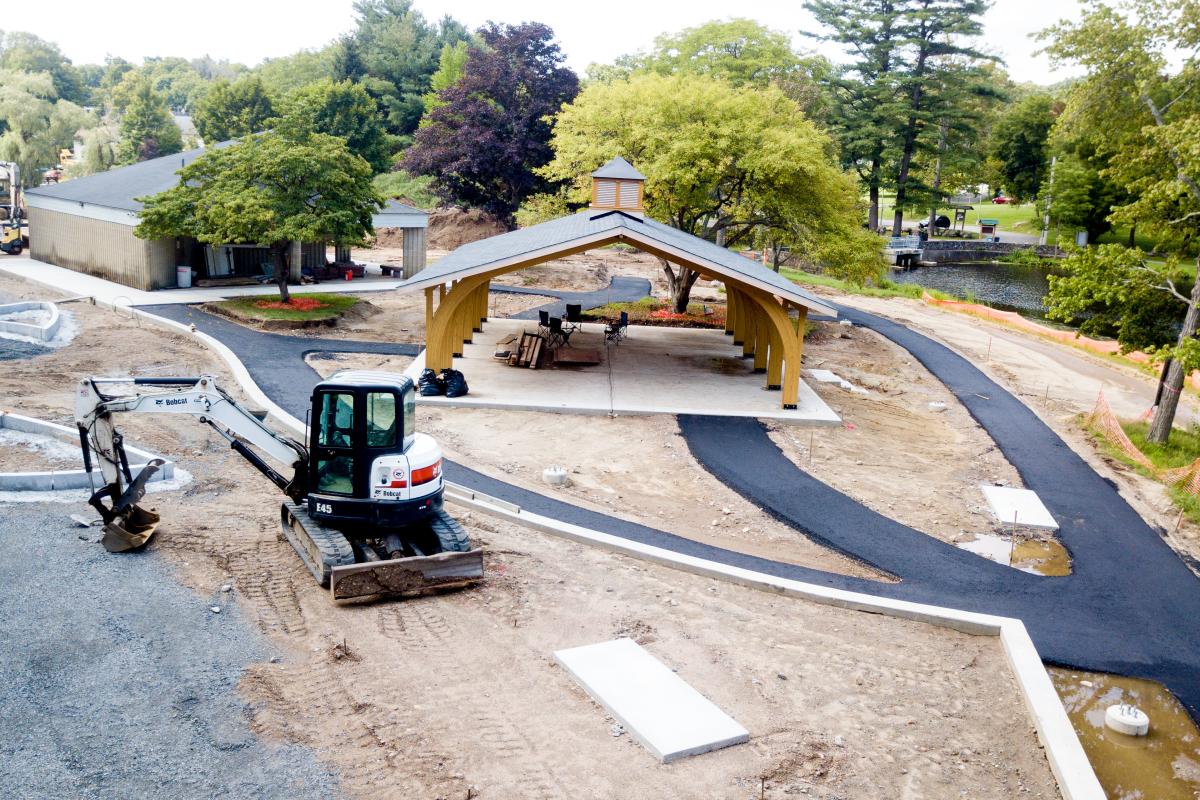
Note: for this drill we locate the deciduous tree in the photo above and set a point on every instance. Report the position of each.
(483, 145)
(341, 109)
(727, 164)
(1019, 143)
(147, 127)
(34, 124)
(232, 110)
(268, 189)
(1142, 70)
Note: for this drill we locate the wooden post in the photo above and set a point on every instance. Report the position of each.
(428, 314)
(775, 360)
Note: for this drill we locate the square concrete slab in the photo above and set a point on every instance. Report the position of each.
(652, 371)
(666, 715)
(1021, 505)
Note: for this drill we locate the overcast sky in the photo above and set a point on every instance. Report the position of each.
(250, 30)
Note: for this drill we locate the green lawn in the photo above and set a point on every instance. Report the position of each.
(1014, 218)
(1181, 449)
(304, 307)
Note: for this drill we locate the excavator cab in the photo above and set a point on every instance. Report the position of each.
(368, 463)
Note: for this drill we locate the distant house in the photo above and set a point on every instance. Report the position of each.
(87, 225)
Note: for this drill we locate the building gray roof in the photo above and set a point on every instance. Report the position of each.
(118, 187)
(620, 169)
(547, 238)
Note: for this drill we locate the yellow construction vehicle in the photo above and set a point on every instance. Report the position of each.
(12, 240)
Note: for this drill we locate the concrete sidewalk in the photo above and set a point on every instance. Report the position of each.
(109, 293)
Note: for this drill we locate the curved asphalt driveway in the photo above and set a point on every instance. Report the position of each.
(1130, 607)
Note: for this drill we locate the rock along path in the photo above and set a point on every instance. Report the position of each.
(1130, 607)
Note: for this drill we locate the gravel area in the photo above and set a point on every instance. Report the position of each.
(119, 682)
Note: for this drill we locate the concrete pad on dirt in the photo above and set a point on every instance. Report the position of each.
(670, 718)
(652, 371)
(1019, 506)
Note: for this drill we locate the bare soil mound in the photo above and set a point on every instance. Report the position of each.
(452, 227)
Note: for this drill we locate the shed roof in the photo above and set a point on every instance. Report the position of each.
(619, 168)
(573, 233)
(118, 187)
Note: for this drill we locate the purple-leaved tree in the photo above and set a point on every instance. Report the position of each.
(483, 145)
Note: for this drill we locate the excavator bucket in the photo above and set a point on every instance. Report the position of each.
(130, 530)
(127, 525)
(332, 560)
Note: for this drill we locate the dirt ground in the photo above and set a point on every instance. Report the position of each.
(328, 363)
(893, 453)
(429, 698)
(637, 467)
(1059, 383)
(24, 452)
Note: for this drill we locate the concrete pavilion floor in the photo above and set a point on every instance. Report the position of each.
(653, 371)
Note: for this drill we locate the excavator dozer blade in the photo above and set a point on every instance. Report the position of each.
(329, 556)
(407, 576)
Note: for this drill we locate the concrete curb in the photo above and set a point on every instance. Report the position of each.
(69, 478)
(1068, 762)
(42, 333)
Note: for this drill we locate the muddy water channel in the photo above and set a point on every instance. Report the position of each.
(1164, 765)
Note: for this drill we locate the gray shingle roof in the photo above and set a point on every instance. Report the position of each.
(619, 168)
(564, 232)
(118, 187)
(396, 207)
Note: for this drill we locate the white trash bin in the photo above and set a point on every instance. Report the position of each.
(183, 277)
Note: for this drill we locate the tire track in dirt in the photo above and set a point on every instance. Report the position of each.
(418, 627)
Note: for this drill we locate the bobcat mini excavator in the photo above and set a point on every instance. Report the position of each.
(364, 509)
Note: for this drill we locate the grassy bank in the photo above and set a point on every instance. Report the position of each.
(303, 308)
(883, 288)
(1180, 450)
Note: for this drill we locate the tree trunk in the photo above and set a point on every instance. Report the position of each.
(873, 194)
(1132, 235)
(1164, 414)
(679, 284)
(279, 263)
(937, 178)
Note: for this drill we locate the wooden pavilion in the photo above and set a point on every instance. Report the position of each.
(766, 313)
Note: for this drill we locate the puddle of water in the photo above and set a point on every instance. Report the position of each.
(1164, 765)
(1036, 556)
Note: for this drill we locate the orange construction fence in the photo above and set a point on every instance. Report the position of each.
(1103, 419)
(1103, 347)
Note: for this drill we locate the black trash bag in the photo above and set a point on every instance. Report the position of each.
(429, 384)
(456, 384)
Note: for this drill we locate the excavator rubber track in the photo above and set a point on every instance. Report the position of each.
(332, 559)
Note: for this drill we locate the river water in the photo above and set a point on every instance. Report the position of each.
(1010, 287)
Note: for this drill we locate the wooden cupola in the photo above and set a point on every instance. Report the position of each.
(617, 186)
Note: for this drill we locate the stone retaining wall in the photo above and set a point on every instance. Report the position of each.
(978, 250)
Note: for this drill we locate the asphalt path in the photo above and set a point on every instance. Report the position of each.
(621, 289)
(1130, 607)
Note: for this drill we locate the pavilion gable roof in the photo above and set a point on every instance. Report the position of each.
(572, 232)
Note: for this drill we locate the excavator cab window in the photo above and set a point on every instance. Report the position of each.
(335, 443)
(381, 419)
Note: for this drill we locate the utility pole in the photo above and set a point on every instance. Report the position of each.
(1049, 200)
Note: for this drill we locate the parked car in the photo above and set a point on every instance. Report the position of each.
(1001, 200)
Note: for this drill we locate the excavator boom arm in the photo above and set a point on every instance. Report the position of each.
(195, 396)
